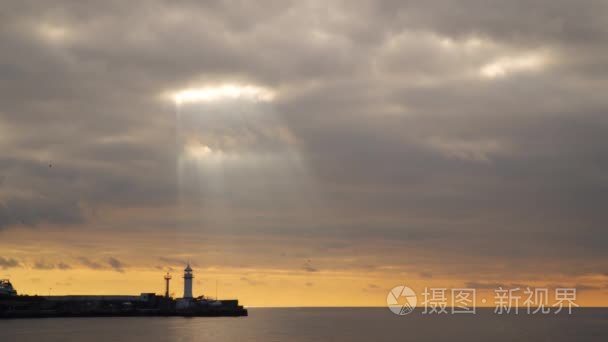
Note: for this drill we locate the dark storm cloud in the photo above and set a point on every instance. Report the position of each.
(396, 130)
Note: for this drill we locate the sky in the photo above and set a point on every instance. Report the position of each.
(304, 153)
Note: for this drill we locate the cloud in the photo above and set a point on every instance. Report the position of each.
(41, 265)
(116, 264)
(7, 263)
(165, 268)
(90, 264)
(426, 275)
(579, 287)
(173, 261)
(381, 126)
(308, 267)
(585, 287)
(371, 288)
(495, 286)
(111, 262)
(63, 266)
(251, 282)
(34, 211)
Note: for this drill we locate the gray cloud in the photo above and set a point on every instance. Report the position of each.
(116, 264)
(426, 275)
(309, 268)
(63, 266)
(585, 287)
(251, 282)
(382, 128)
(33, 211)
(90, 264)
(43, 265)
(7, 263)
(178, 262)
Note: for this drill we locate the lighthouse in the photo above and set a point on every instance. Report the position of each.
(188, 282)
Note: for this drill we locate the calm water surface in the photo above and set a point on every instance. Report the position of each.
(316, 324)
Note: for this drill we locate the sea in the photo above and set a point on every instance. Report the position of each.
(319, 324)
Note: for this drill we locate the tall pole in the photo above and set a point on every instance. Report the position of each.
(167, 278)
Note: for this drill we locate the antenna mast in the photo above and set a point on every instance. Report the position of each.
(167, 279)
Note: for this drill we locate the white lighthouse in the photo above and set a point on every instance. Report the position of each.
(188, 282)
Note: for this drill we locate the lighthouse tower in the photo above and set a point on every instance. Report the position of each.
(188, 282)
